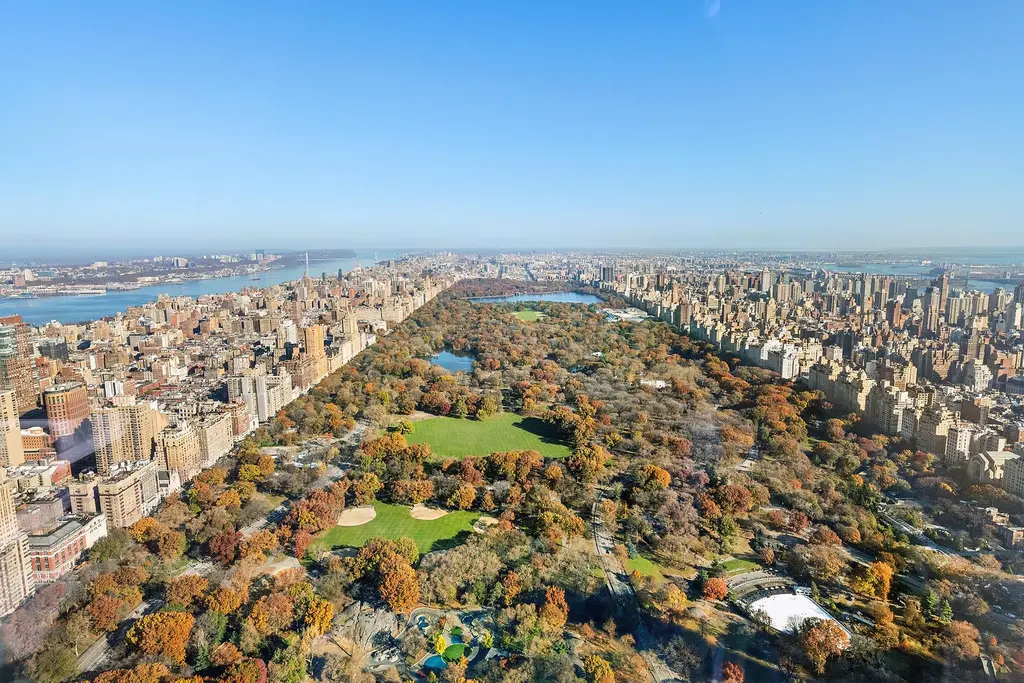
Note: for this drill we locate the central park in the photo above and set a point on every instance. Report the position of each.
(494, 494)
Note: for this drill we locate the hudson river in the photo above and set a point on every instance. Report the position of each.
(70, 309)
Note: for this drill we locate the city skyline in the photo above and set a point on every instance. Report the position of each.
(164, 455)
(686, 125)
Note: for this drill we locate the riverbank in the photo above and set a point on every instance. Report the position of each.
(82, 308)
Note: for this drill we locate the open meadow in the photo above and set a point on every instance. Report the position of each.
(451, 437)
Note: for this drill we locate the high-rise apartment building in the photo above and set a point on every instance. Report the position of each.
(127, 496)
(16, 368)
(67, 407)
(16, 579)
(958, 444)
(12, 452)
(215, 436)
(122, 434)
(180, 448)
(933, 429)
(55, 349)
(315, 350)
(943, 285)
(930, 317)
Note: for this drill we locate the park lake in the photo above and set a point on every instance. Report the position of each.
(454, 362)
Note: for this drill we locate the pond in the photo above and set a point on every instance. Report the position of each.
(435, 662)
(559, 297)
(454, 362)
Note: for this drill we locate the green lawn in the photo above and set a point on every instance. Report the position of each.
(393, 521)
(451, 437)
(645, 567)
(529, 316)
(453, 652)
(735, 566)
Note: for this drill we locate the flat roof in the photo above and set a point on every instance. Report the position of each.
(51, 538)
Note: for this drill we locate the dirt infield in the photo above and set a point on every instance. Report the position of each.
(420, 511)
(357, 516)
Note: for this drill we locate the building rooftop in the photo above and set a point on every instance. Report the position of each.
(65, 528)
(64, 386)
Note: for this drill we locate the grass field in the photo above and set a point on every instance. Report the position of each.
(451, 437)
(393, 521)
(736, 566)
(529, 316)
(453, 652)
(645, 567)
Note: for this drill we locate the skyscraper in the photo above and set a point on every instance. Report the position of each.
(16, 579)
(122, 434)
(16, 370)
(314, 338)
(930, 305)
(12, 453)
(943, 284)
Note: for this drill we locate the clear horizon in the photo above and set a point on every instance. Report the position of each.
(72, 256)
(679, 125)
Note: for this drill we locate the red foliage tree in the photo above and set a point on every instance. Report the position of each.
(714, 589)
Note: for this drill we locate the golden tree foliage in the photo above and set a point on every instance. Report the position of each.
(399, 586)
(185, 590)
(598, 670)
(143, 673)
(319, 616)
(163, 634)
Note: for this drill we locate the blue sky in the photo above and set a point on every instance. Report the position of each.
(798, 123)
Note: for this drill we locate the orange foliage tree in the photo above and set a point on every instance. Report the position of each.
(185, 590)
(714, 589)
(821, 640)
(272, 613)
(143, 673)
(163, 634)
(555, 611)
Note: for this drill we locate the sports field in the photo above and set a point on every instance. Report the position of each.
(394, 521)
(529, 316)
(451, 437)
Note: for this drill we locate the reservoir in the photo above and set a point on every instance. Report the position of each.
(559, 297)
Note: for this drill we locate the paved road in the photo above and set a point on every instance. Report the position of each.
(333, 474)
(716, 665)
(622, 592)
(98, 653)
